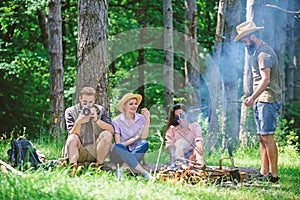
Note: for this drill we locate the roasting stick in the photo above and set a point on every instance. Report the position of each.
(230, 101)
(197, 109)
(233, 101)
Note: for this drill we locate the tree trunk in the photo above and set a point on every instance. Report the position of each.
(212, 137)
(44, 27)
(192, 67)
(57, 123)
(169, 55)
(247, 125)
(230, 77)
(141, 62)
(296, 58)
(93, 49)
(290, 47)
(280, 44)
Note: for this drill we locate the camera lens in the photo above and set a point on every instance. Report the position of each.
(86, 111)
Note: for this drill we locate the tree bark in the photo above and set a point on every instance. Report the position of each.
(93, 49)
(141, 62)
(290, 47)
(213, 130)
(247, 125)
(44, 27)
(192, 68)
(296, 58)
(280, 44)
(230, 77)
(169, 55)
(57, 122)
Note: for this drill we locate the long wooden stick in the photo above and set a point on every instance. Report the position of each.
(13, 170)
(283, 10)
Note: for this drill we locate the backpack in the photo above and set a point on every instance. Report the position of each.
(24, 155)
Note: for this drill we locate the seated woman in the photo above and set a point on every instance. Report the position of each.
(183, 138)
(131, 132)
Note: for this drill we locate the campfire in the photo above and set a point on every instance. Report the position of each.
(190, 172)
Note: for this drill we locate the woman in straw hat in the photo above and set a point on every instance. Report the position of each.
(131, 132)
(266, 96)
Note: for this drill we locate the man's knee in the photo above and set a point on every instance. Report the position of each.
(72, 140)
(106, 136)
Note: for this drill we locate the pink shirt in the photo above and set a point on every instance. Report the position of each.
(193, 135)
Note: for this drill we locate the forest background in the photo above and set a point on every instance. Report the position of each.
(214, 80)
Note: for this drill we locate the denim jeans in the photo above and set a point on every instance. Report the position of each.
(121, 154)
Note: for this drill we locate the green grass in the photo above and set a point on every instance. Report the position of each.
(90, 184)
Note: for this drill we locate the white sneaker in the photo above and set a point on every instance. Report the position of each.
(119, 173)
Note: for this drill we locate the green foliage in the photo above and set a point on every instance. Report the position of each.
(24, 94)
(286, 136)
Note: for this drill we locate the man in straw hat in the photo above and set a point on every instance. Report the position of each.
(131, 132)
(89, 131)
(266, 96)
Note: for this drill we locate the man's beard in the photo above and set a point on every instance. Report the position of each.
(251, 48)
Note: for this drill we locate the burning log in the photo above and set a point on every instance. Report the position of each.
(193, 173)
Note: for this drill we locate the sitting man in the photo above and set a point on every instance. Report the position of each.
(89, 131)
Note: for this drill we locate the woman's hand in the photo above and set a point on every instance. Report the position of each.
(146, 113)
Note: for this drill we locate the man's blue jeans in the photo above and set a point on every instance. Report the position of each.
(120, 153)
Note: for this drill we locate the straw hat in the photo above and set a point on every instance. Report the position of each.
(246, 28)
(126, 98)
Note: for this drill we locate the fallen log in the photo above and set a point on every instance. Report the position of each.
(6, 167)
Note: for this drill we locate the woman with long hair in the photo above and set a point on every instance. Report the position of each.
(184, 138)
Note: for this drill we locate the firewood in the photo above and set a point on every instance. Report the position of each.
(5, 167)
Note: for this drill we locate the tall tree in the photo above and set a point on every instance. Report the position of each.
(296, 58)
(254, 12)
(290, 47)
(213, 86)
(192, 68)
(141, 52)
(93, 49)
(169, 54)
(57, 103)
(229, 74)
(280, 27)
(43, 26)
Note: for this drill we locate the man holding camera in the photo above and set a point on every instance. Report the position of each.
(89, 131)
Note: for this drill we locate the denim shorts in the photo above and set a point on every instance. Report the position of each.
(265, 116)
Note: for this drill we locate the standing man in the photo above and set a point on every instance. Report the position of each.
(89, 131)
(266, 96)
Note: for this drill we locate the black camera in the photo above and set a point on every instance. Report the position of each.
(85, 110)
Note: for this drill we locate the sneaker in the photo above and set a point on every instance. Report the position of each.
(271, 178)
(147, 176)
(259, 177)
(119, 173)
